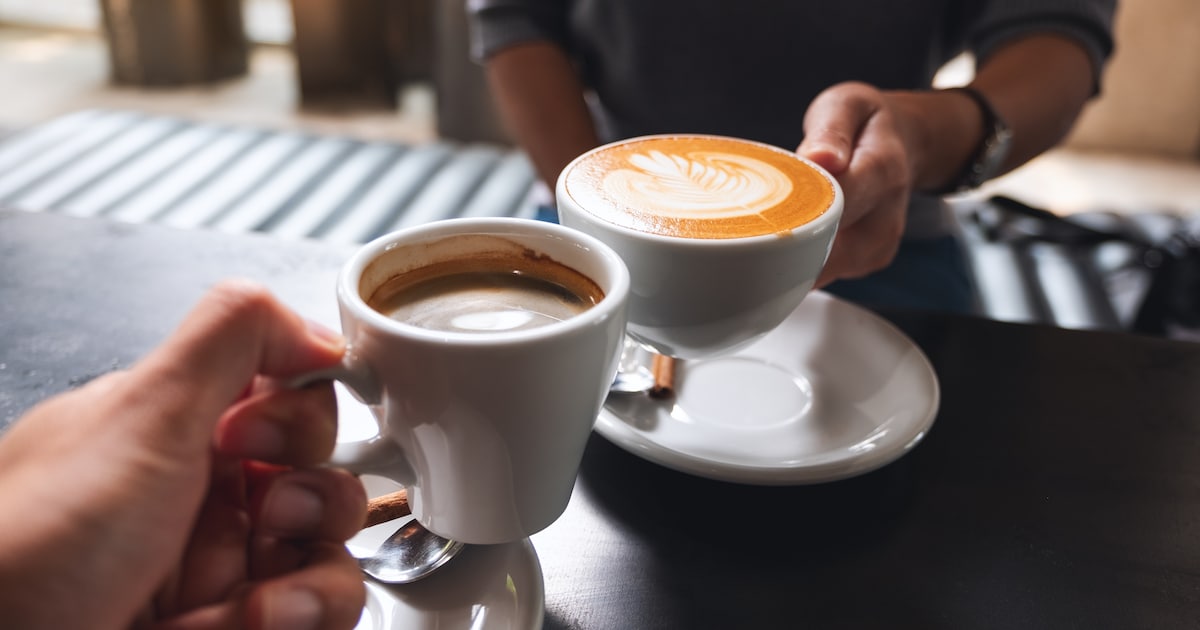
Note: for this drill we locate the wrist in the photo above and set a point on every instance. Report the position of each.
(992, 152)
(944, 130)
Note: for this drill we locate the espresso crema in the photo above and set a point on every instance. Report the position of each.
(486, 293)
(699, 187)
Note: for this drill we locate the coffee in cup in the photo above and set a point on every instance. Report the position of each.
(699, 187)
(503, 290)
(723, 237)
(485, 349)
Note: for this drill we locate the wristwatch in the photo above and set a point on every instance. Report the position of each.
(993, 149)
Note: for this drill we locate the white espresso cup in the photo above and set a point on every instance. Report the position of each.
(723, 237)
(483, 419)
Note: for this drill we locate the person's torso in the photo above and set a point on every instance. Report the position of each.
(749, 68)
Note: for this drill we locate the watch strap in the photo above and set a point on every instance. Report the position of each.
(989, 155)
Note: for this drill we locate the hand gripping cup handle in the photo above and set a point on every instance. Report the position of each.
(485, 429)
(413, 553)
(374, 455)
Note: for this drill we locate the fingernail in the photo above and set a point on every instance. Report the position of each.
(292, 507)
(826, 155)
(292, 610)
(327, 335)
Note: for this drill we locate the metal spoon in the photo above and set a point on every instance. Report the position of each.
(409, 554)
(633, 372)
(643, 371)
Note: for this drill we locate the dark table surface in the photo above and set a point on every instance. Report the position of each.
(1058, 488)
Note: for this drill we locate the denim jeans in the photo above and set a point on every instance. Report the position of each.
(927, 274)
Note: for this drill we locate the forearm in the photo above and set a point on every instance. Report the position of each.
(540, 99)
(1038, 85)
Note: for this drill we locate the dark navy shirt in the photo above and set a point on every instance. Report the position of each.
(749, 68)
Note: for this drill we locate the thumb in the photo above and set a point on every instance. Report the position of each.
(236, 332)
(828, 149)
(833, 122)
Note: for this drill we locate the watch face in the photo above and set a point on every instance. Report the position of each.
(995, 150)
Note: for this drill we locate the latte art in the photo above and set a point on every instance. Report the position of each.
(707, 187)
(698, 184)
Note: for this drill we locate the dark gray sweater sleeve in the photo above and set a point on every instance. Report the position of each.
(498, 24)
(1089, 22)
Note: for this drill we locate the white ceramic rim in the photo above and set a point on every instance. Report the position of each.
(831, 215)
(348, 279)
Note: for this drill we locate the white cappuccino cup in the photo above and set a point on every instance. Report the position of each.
(723, 237)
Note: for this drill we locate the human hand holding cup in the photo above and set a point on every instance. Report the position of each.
(485, 349)
(723, 237)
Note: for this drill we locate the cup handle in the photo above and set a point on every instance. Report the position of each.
(377, 454)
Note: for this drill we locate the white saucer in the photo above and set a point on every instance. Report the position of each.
(485, 587)
(834, 392)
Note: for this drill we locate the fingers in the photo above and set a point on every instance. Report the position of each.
(851, 130)
(283, 426)
(868, 246)
(833, 123)
(877, 194)
(274, 340)
(215, 559)
(327, 594)
(315, 503)
(238, 330)
(868, 243)
(239, 538)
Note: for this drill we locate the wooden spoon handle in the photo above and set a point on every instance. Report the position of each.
(387, 507)
(663, 368)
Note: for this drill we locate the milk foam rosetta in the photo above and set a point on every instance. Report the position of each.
(699, 187)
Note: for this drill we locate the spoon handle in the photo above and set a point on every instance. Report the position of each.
(387, 507)
(663, 368)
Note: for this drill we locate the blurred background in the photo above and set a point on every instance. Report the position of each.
(365, 67)
(397, 70)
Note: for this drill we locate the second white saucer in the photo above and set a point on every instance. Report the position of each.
(834, 392)
(485, 587)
